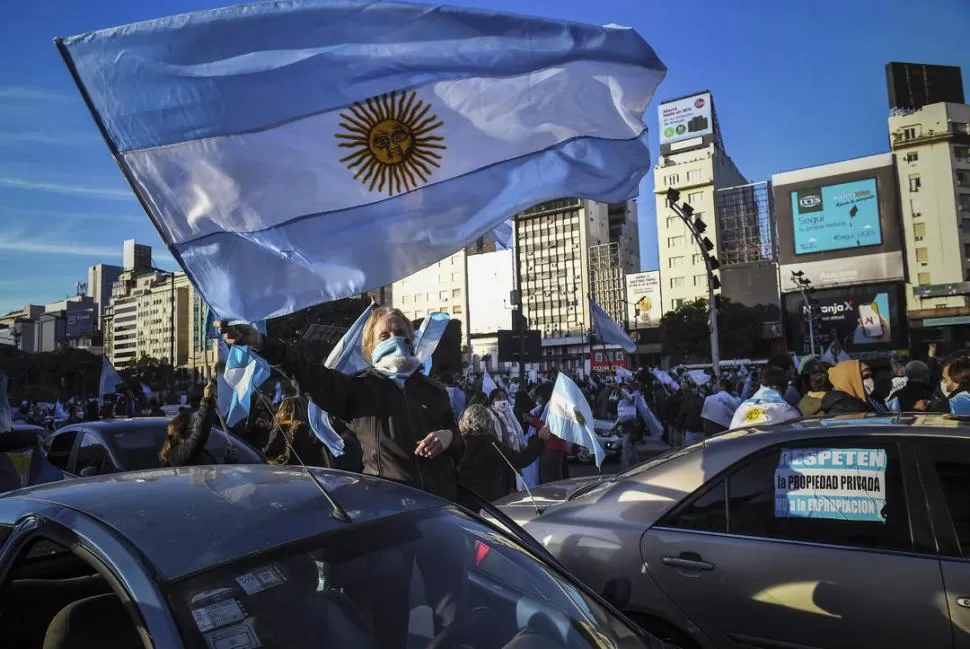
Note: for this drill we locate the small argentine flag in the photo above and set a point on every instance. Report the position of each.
(570, 419)
(311, 150)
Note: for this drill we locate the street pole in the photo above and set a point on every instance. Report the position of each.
(468, 315)
(803, 286)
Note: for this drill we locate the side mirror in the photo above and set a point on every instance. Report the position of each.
(88, 471)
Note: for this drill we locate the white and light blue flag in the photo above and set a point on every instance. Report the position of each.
(145, 390)
(570, 419)
(245, 372)
(109, 380)
(293, 153)
(427, 338)
(347, 358)
(609, 330)
(488, 384)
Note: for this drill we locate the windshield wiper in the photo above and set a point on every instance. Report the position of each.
(587, 488)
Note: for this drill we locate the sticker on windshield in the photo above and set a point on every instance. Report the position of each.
(240, 636)
(261, 579)
(847, 484)
(218, 615)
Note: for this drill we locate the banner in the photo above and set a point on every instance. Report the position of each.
(643, 299)
(840, 484)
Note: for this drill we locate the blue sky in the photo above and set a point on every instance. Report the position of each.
(794, 83)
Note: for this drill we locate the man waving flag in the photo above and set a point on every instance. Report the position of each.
(293, 153)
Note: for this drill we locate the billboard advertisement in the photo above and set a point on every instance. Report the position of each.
(490, 280)
(860, 318)
(839, 223)
(836, 217)
(685, 118)
(607, 359)
(643, 299)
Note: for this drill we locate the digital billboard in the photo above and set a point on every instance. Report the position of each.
(860, 318)
(836, 217)
(643, 299)
(685, 118)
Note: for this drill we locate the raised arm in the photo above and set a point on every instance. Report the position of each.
(182, 454)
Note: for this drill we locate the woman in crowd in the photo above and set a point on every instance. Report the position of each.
(814, 386)
(291, 441)
(187, 434)
(402, 419)
(482, 466)
(852, 383)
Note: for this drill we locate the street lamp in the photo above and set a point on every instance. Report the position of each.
(804, 286)
(697, 227)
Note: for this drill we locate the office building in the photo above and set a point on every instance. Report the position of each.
(101, 277)
(47, 328)
(693, 161)
(932, 155)
(137, 257)
(625, 232)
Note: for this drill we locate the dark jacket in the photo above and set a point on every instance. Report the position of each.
(190, 451)
(911, 394)
(481, 468)
(689, 418)
(388, 421)
(837, 402)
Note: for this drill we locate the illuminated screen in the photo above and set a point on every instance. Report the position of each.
(836, 217)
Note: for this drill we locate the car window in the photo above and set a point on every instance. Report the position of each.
(4, 533)
(59, 448)
(844, 493)
(138, 448)
(952, 463)
(92, 456)
(706, 512)
(399, 583)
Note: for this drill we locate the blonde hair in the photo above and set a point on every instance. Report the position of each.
(369, 339)
(291, 409)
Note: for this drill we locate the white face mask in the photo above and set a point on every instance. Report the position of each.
(945, 388)
(868, 385)
(501, 405)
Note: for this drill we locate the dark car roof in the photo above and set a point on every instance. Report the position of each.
(188, 519)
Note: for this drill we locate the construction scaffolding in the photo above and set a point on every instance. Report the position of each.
(607, 281)
(746, 224)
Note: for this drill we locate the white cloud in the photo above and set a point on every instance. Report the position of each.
(24, 93)
(57, 188)
(61, 139)
(11, 212)
(39, 246)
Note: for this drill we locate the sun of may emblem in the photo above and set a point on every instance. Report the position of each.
(579, 417)
(393, 142)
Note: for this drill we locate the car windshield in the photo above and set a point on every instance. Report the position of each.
(139, 447)
(411, 581)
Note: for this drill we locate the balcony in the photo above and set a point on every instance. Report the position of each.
(958, 134)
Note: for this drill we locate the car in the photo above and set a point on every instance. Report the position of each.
(114, 445)
(605, 430)
(738, 541)
(245, 556)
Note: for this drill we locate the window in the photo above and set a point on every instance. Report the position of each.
(914, 208)
(963, 202)
(911, 132)
(695, 197)
(59, 449)
(919, 230)
(706, 513)
(961, 153)
(405, 299)
(700, 280)
(676, 262)
(443, 295)
(922, 255)
(952, 462)
(914, 183)
(673, 242)
(694, 174)
(456, 308)
(456, 292)
(455, 277)
(912, 157)
(697, 259)
(418, 298)
(430, 297)
(671, 179)
(966, 250)
(751, 505)
(923, 279)
(676, 282)
(443, 309)
(672, 221)
(92, 457)
(676, 304)
(963, 178)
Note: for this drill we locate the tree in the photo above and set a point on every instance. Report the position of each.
(685, 332)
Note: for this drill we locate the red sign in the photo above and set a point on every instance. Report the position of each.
(604, 359)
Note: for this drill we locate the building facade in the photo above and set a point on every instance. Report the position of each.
(932, 150)
(136, 257)
(697, 173)
(101, 277)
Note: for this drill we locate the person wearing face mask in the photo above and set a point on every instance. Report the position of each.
(852, 383)
(402, 419)
(955, 387)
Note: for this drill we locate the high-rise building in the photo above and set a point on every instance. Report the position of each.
(101, 277)
(694, 162)
(137, 257)
(625, 232)
(932, 155)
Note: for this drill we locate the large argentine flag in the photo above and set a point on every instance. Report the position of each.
(310, 150)
(570, 418)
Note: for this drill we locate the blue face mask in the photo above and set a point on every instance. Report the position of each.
(394, 347)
